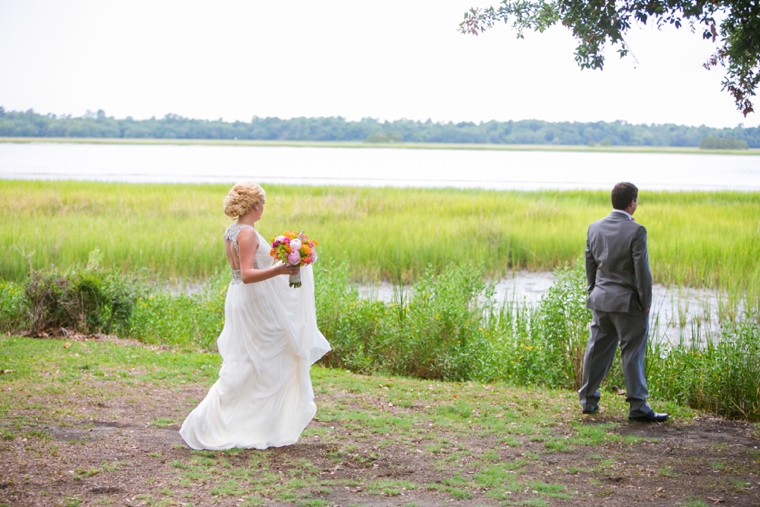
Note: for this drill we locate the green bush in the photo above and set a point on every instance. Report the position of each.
(343, 319)
(187, 320)
(435, 334)
(563, 327)
(13, 311)
(722, 376)
(539, 346)
(440, 329)
(83, 299)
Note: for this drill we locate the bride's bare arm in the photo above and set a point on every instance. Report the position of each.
(248, 242)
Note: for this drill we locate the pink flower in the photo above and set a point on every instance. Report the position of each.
(294, 257)
(295, 244)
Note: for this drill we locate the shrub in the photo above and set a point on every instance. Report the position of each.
(189, 320)
(86, 299)
(13, 311)
(434, 334)
(722, 377)
(563, 327)
(449, 327)
(441, 328)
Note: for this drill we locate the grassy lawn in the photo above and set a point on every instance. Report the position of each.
(95, 423)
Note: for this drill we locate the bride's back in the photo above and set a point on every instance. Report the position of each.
(231, 245)
(261, 258)
(232, 256)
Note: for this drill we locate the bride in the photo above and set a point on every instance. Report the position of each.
(263, 397)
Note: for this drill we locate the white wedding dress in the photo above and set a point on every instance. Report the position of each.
(263, 397)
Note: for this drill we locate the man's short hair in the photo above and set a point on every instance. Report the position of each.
(623, 194)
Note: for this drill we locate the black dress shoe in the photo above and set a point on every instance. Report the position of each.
(652, 416)
(592, 410)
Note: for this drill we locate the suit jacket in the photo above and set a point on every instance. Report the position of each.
(617, 265)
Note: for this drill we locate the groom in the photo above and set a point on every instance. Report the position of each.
(620, 296)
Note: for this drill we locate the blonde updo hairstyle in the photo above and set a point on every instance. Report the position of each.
(242, 198)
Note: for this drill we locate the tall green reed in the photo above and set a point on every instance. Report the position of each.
(704, 239)
(716, 375)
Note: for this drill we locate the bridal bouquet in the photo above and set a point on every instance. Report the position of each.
(296, 249)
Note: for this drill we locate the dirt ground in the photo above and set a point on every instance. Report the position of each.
(120, 446)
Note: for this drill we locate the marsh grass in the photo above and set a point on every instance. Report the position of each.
(703, 239)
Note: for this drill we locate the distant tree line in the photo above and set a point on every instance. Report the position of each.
(172, 126)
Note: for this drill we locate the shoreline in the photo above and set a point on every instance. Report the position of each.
(363, 145)
(328, 186)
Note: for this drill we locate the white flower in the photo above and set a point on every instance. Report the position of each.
(295, 244)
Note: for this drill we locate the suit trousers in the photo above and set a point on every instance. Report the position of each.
(607, 330)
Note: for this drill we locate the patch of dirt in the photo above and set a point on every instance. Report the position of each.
(63, 334)
(121, 446)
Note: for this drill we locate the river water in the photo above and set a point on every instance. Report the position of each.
(496, 170)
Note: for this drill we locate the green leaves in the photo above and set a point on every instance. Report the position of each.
(86, 300)
(535, 16)
(597, 23)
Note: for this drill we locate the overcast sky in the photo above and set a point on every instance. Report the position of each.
(386, 59)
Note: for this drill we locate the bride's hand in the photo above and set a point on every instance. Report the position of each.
(287, 269)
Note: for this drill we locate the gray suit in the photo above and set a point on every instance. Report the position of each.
(620, 290)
